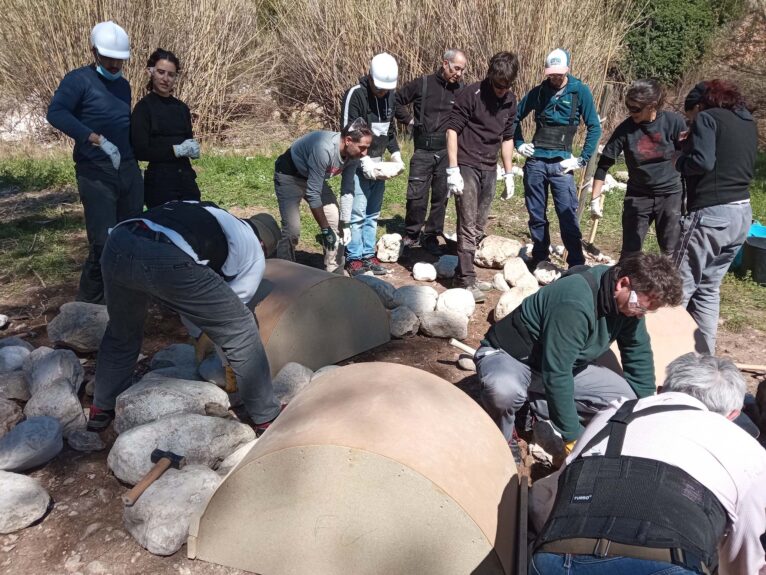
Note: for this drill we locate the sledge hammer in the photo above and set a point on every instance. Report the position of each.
(162, 460)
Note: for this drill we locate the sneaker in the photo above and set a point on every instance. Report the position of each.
(478, 295)
(99, 419)
(431, 245)
(260, 428)
(355, 267)
(373, 264)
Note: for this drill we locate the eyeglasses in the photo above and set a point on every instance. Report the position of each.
(633, 303)
(634, 109)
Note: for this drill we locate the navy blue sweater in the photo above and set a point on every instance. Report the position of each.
(86, 102)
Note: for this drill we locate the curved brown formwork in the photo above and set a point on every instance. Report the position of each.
(316, 318)
(673, 332)
(374, 468)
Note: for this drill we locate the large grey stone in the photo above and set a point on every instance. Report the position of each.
(16, 340)
(389, 247)
(494, 251)
(419, 299)
(12, 357)
(403, 322)
(384, 289)
(159, 520)
(32, 442)
(60, 401)
(424, 272)
(233, 460)
(510, 300)
(201, 439)
(79, 325)
(445, 267)
(444, 324)
(86, 441)
(156, 396)
(466, 362)
(499, 283)
(10, 415)
(52, 366)
(291, 380)
(22, 501)
(178, 354)
(13, 385)
(456, 299)
(33, 357)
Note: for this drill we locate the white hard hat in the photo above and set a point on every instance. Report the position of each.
(110, 40)
(384, 71)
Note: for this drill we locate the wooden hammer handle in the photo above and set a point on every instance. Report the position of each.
(154, 473)
(461, 346)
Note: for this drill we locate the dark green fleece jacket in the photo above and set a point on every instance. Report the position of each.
(573, 333)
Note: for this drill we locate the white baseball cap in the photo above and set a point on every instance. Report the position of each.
(557, 62)
(384, 71)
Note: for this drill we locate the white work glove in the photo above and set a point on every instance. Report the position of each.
(510, 186)
(454, 182)
(397, 157)
(596, 208)
(527, 150)
(368, 167)
(571, 164)
(110, 150)
(187, 149)
(344, 227)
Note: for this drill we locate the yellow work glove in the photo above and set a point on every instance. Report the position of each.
(202, 346)
(568, 447)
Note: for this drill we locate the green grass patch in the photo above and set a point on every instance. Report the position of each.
(37, 174)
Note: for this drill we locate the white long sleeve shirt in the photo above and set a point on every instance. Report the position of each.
(707, 446)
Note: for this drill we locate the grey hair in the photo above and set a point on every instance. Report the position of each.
(451, 53)
(715, 381)
(645, 93)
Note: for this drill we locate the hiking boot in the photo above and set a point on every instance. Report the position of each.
(356, 267)
(431, 245)
(409, 242)
(260, 428)
(99, 419)
(373, 264)
(478, 295)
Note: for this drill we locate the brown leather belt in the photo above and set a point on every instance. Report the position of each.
(606, 548)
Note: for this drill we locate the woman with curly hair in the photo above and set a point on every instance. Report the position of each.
(717, 164)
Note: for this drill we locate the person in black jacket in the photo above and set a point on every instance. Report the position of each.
(431, 97)
(649, 138)
(161, 133)
(718, 164)
(372, 99)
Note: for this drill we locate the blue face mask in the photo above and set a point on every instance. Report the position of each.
(107, 74)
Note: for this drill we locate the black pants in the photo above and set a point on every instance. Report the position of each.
(472, 214)
(428, 169)
(168, 183)
(639, 212)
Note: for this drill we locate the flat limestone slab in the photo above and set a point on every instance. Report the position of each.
(315, 318)
(368, 471)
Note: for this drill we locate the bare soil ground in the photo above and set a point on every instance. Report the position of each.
(83, 532)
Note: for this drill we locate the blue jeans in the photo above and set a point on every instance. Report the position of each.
(555, 564)
(136, 268)
(365, 211)
(539, 175)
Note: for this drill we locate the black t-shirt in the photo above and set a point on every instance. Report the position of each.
(648, 149)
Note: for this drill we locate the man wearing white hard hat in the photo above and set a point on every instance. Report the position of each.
(560, 102)
(92, 106)
(373, 100)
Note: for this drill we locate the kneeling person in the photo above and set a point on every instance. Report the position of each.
(302, 172)
(201, 262)
(664, 484)
(544, 351)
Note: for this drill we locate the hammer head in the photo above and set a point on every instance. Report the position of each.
(176, 461)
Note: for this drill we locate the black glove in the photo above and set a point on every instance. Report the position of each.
(329, 239)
